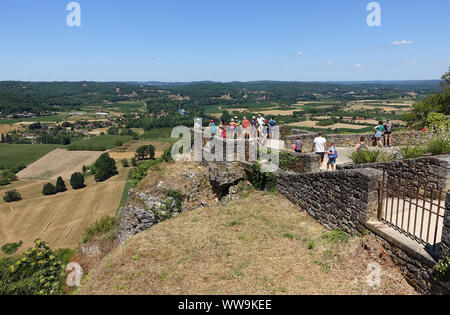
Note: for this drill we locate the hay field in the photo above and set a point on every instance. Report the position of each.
(128, 150)
(59, 163)
(4, 129)
(51, 218)
(312, 124)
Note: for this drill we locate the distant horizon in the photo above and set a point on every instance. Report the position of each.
(224, 82)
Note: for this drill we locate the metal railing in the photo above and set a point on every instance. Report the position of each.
(412, 208)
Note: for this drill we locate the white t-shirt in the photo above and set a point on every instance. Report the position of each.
(319, 144)
(261, 121)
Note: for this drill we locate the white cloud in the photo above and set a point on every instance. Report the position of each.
(413, 62)
(262, 66)
(330, 63)
(358, 65)
(299, 53)
(245, 62)
(402, 42)
(158, 59)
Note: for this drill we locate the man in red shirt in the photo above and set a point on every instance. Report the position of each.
(245, 124)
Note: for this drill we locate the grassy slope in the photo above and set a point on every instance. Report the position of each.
(257, 245)
(13, 154)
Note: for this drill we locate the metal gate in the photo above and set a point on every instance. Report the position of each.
(412, 208)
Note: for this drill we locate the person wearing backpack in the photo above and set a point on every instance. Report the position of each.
(332, 156)
(388, 133)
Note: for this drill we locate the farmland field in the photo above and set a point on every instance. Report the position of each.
(128, 150)
(59, 163)
(98, 143)
(13, 154)
(59, 219)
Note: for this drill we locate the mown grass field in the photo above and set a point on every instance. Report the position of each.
(98, 143)
(14, 154)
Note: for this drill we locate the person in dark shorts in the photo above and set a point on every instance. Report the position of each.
(319, 147)
(332, 156)
(388, 133)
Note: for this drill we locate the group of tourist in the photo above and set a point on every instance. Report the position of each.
(256, 127)
(383, 131)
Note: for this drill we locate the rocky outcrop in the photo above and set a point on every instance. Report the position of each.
(223, 175)
(166, 192)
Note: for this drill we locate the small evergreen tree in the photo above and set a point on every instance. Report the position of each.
(49, 189)
(60, 185)
(77, 181)
(133, 162)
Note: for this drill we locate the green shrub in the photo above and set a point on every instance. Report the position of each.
(100, 227)
(11, 248)
(438, 146)
(137, 174)
(370, 156)
(125, 163)
(6, 177)
(77, 181)
(442, 269)
(60, 185)
(37, 272)
(291, 162)
(145, 152)
(411, 152)
(65, 254)
(12, 196)
(133, 162)
(49, 189)
(104, 168)
(261, 180)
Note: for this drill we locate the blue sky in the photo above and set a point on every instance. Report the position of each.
(227, 40)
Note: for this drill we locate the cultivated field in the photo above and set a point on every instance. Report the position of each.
(128, 150)
(59, 219)
(59, 163)
(4, 129)
(312, 124)
(98, 143)
(14, 154)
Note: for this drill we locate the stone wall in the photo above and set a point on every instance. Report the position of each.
(341, 200)
(417, 269)
(339, 140)
(446, 228)
(432, 169)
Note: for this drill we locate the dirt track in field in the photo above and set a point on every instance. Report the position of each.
(59, 163)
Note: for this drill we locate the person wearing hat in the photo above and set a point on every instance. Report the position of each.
(213, 128)
(245, 126)
(232, 127)
(388, 133)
